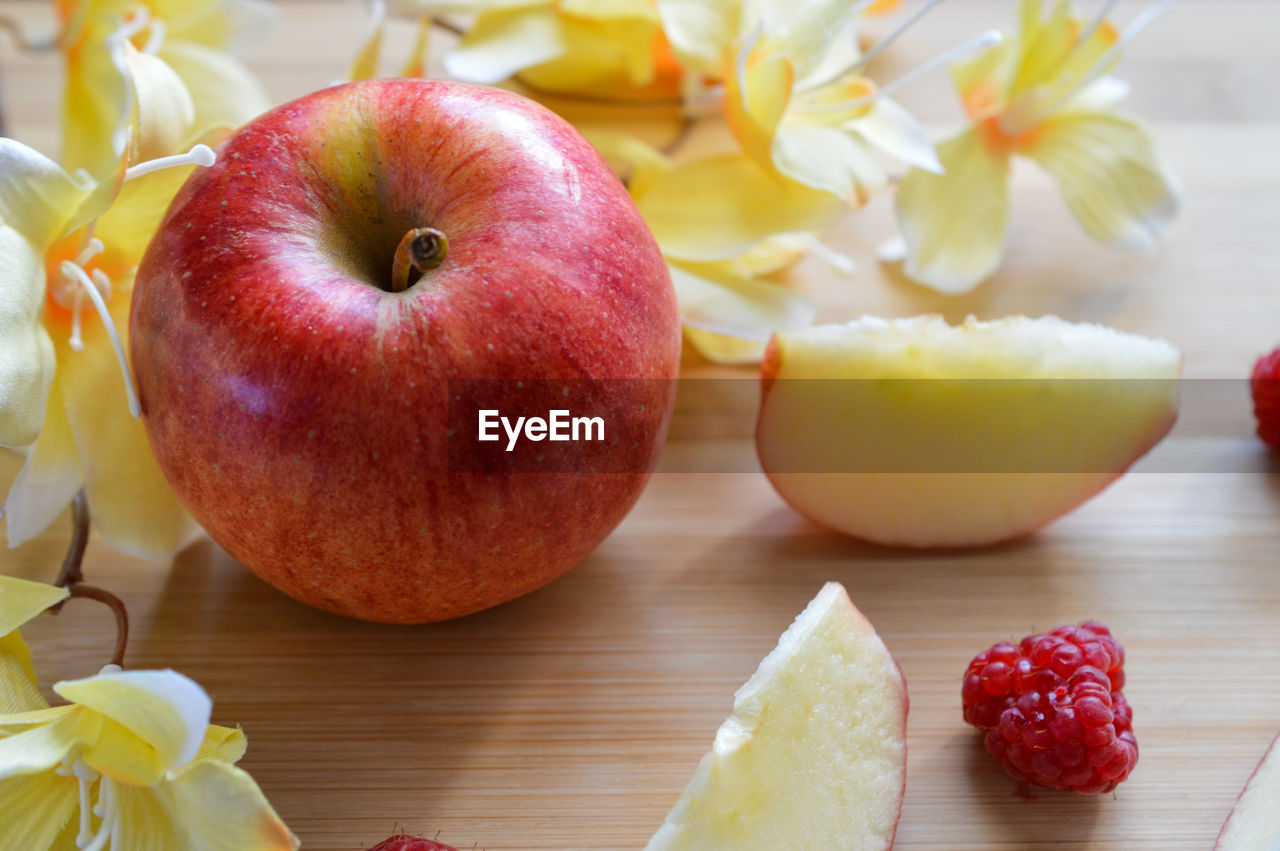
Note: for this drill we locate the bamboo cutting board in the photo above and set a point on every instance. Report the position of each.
(572, 718)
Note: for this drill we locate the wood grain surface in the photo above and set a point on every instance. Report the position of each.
(572, 718)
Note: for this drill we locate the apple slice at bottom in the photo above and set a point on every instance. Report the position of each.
(1254, 823)
(814, 754)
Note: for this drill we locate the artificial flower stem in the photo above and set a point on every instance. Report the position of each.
(71, 576)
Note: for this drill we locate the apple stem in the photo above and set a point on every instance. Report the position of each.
(71, 576)
(420, 250)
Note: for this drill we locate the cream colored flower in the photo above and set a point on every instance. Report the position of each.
(1043, 94)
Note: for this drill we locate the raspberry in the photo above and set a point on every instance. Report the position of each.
(404, 842)
(1265, 386)
(1052, 708)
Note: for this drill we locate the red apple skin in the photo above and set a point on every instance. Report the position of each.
(299, 410)
(404, 842)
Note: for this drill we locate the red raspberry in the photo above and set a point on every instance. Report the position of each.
(1052, 708)
(1265, 386)
(403, 842)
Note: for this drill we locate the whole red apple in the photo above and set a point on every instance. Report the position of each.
(304, 306)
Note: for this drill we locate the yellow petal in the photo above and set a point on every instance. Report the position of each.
(163, 708)
(221, 808)
(94, 107)
(42, 747)
(827, 158)
(48, 480)
(628, 155)
(715, 301)
(165, 111)
(641, 10)
(954, 223)
(755, 99)
(123, 756)
(1045, 44)
(1111, 174)
(146, 823)
(35, 808)
(133, 507)
(598, 56)
(37, 197)
(26, 353)
(18, 692)
(233, 26)
(21, 600)
(881, 7)
(718, 207)
(224, 92)
(416, 64)
(895, 131)
(503, 43)
(984, 80)
(702, 32)
(803, 31)
(224, 743)
(368, 56)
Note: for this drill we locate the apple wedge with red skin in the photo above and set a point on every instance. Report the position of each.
(293, 369)
(1254, 822)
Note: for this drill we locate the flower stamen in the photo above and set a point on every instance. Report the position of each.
(201, 155)
(109, 807)
(73, 271)
(155, 38)
(990, 38)
(85, 777)
(879, 46)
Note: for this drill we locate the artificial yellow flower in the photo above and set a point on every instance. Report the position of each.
(195, 39)
(139, 745)
(723, 225)
(795, 94)
(1044, 95)
(20, 601)
(612, 49)
(71, 247)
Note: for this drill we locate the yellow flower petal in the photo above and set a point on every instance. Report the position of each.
(37, 197)
(221, 808)
(718, 207)
(163, 708)
(42, 747)
(223, 90)
(895, 131)
(827, 158)
(727, 351)
(1045, 44)
(719, 302)
(755, 100)
(641, 10)
(26, 352)
(702, 32)
(954, 224)
(164, 109)
(503, 43)
(1111, 174)
(94, 106)
(35, 809)
(369, 55)
(223, 743)
(146, 820)
(416, 63)
(18, 692)
(48, 480)
(124, 757)
(984, 80)
(133, 507)
(804, 30)
(21, 600)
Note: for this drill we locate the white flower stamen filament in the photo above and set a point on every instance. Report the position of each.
(155, 38)
(988, 39)
(73, 271)
(85, 776)
(109, 808)
(201, 155)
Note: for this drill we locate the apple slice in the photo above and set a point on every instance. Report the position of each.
(815, 752)
(912, 432)
(1254, 823)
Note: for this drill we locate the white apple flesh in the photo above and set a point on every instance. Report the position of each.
(814, 754)
(1254, 823)
(915, 433)
(294, 369)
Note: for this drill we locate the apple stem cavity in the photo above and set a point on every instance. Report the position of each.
(71, 577)
(419, 251)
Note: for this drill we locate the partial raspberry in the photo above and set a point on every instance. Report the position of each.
(1265, 386)
(1052, 708)
(404, 842)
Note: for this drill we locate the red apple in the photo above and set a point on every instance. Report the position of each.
(404, 842)
(294, 371)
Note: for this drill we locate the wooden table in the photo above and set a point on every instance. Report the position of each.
(573, 717)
